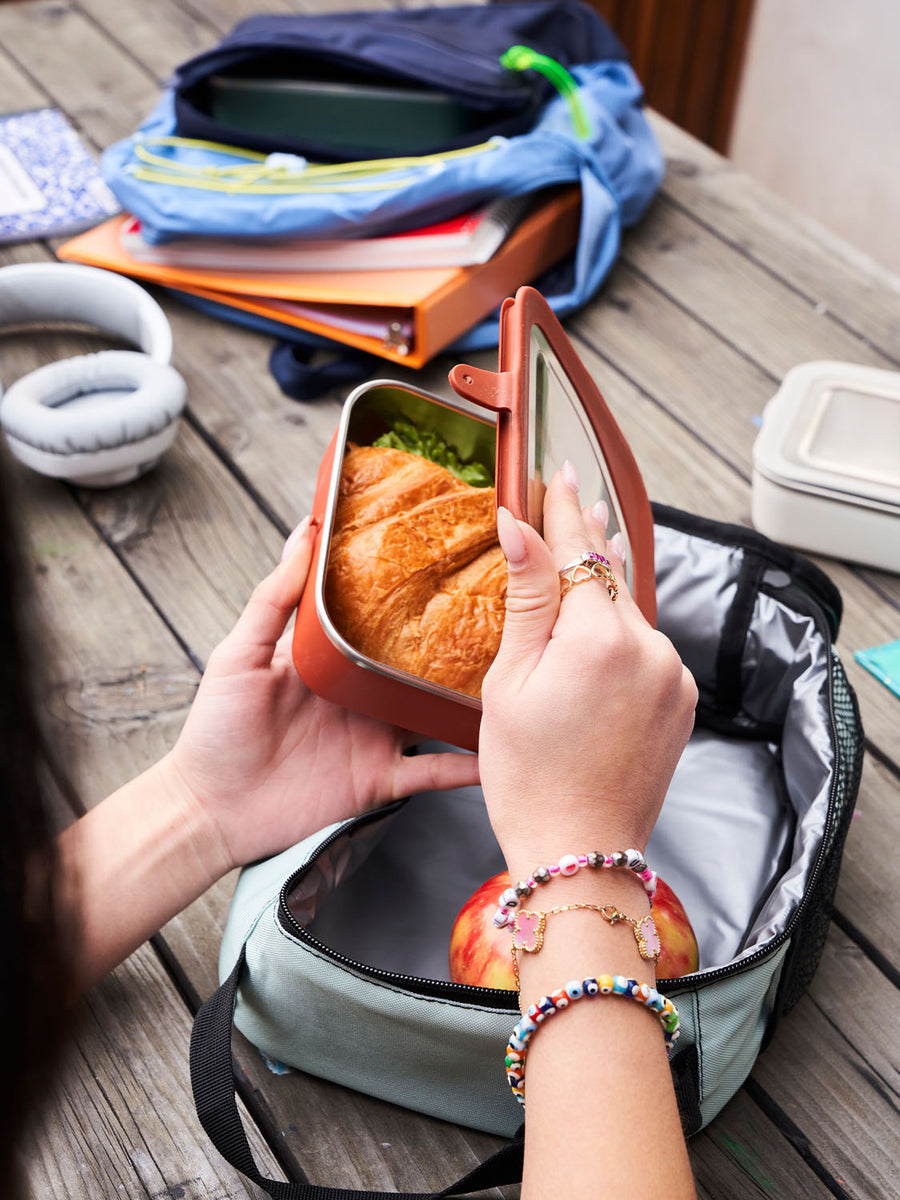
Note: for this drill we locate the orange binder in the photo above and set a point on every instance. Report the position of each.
(407, 316)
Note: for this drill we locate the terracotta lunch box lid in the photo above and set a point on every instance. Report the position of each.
(545, 408)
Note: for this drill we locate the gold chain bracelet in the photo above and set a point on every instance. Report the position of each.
(528, 930)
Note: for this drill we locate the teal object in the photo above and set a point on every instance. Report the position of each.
(884, 663)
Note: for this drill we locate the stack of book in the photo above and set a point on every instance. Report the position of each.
(404, 297)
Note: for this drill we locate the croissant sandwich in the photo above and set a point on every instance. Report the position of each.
(416, 578)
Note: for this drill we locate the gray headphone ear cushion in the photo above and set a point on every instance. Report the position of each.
(91, 442)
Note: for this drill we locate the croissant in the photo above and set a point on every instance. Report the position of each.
(416, 578)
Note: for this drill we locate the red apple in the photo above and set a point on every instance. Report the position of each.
(480, 952)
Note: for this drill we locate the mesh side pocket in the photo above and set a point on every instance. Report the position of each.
(813, 928)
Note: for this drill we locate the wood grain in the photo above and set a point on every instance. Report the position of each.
(121, 1121)
(138, 584)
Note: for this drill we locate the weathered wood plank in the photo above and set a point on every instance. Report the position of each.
(159, 35)
(82, 70)
(770, 323)
(735, 207)
(834, 1068)
(17, 91)
(762, 1164)
(120, 1121)
(867, 897)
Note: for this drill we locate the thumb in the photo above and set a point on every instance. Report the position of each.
(532, 596)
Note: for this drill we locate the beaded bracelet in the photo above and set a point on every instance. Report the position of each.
(568, 865)
(603, 985)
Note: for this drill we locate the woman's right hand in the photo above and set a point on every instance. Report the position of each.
(587, 708)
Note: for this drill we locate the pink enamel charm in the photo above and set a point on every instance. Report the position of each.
(528, 931)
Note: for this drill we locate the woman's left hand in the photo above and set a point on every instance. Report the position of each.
(266, 761)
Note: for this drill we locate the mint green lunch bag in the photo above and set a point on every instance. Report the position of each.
(334, 958)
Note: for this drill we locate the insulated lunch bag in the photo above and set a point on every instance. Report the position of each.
(340, 942)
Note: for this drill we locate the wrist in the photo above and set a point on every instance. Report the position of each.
(193, 817)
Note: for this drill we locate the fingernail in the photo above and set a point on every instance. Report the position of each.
(601, 512)
(293, 538)
(617, 545)
(570, 475)
(510, 538)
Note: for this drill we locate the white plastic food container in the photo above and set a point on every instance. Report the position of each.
(826, 463)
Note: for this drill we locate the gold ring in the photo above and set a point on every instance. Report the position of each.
(589, 565)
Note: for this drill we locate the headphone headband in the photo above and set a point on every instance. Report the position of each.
(38, 293)
(100, 419)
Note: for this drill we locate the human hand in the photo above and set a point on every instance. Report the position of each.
(587, 708)
(262, 761)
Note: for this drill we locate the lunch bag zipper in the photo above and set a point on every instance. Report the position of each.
(440, 988)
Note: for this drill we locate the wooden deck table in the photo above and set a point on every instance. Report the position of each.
(716, 294)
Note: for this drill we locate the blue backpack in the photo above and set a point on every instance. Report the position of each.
(551, 98)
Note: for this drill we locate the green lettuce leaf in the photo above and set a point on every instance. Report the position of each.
(428, 444)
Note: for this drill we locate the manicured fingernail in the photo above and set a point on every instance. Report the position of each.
(510, 538)
(601, 512)
(293, 538)
(618, 547)
(570, 475)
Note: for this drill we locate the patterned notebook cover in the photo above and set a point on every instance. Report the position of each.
(49, 183)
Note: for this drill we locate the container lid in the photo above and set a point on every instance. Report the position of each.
(549, 409)
(833, 428)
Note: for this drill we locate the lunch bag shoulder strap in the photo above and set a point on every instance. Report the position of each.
(213, 1084)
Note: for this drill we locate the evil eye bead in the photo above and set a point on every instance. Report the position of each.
(568, 864)
(591, 987)
(574, 989)
(621, 985)
(527, 1027)
(546, 1005)
(606, 984)
(560, 999)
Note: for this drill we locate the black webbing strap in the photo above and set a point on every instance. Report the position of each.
(212, 1080)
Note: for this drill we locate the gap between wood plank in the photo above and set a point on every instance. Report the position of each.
(794, 1136)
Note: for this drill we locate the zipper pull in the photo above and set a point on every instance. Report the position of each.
(523, 58)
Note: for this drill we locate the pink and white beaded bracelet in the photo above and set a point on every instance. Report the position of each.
(513, 897)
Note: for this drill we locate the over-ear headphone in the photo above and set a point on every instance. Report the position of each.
(128, 403)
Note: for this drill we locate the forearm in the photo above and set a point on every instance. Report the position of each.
(601, 1111)
(130, 865)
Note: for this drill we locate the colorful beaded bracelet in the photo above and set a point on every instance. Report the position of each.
(603, 985)
(512, 898)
